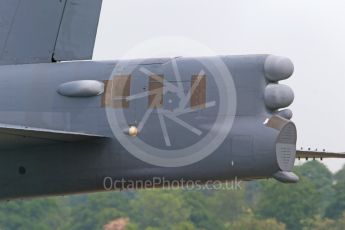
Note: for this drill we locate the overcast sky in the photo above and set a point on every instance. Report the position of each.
(310, 32)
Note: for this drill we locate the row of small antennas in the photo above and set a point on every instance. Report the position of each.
(310, 150)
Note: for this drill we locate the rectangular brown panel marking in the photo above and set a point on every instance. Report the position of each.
(198, 89)
(116, 92)
(106, 96)
(156, 91)
(121, 90)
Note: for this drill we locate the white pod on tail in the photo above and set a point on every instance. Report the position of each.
(278, 96)
(278, 68)
(83, 88)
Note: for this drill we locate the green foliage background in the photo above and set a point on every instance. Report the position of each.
(316, 202)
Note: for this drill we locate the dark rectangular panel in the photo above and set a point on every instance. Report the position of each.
(121, 90)
(116, 92)
(106, 97)
(156, 91)
(198, 94)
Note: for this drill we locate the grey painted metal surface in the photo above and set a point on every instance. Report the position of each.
(36, 31)
(66, 127)
(78, 30)
(29, 98)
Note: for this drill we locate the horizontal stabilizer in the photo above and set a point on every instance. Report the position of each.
(318, 155)
(13, 136)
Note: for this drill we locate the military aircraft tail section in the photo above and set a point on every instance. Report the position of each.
(43, 31)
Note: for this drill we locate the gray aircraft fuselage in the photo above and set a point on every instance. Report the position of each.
(29, 97)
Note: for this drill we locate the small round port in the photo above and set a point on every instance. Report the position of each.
(22, 170)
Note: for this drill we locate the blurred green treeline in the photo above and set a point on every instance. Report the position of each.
(316, 202)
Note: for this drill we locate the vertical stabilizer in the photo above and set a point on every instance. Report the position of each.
(42, 31)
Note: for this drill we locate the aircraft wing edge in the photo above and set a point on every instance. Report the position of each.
(45, 134)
